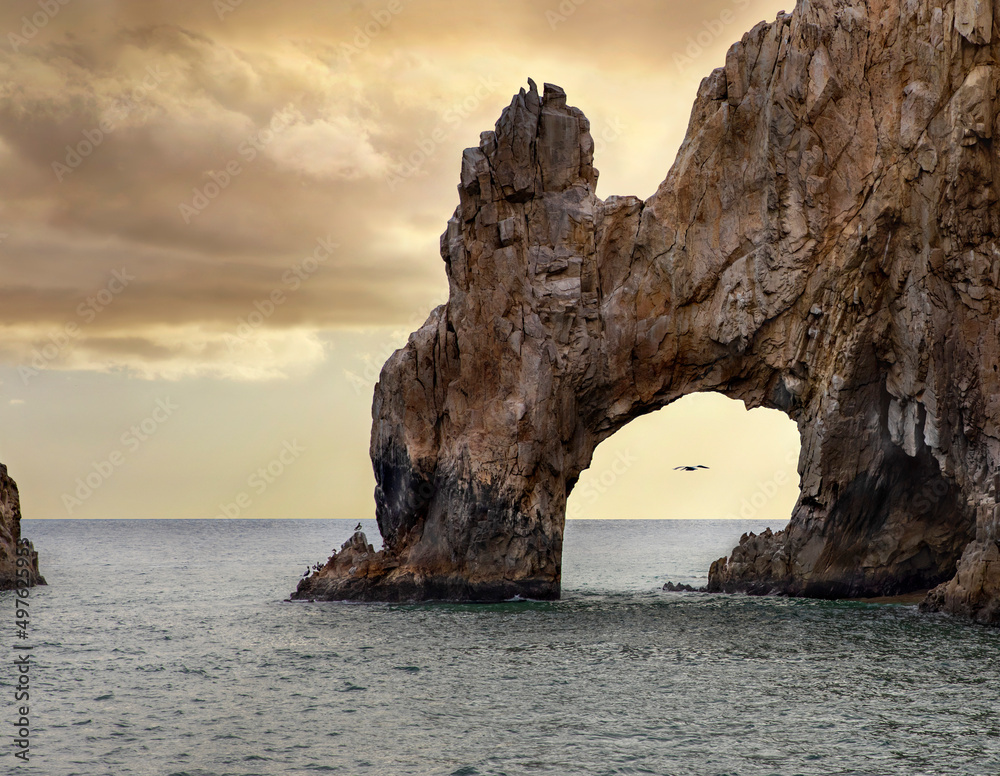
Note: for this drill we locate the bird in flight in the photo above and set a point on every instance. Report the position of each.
(689, 468)
(357, 527)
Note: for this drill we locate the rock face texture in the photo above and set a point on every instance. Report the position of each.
(826, 244)
(10, 539)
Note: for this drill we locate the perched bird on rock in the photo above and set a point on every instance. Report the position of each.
(357, 527)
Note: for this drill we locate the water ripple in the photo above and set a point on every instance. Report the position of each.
(190, 659)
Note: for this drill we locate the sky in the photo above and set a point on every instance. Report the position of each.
(219, 218)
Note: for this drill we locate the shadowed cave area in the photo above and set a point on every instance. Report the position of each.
(826, 244)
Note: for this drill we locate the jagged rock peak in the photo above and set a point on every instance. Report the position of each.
(539, 145)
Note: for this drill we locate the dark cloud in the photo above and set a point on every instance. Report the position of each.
(208, 155)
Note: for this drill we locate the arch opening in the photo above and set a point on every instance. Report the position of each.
(635, 521)
(751, 455)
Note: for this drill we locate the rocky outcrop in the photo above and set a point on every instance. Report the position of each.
(349, 564)
(11, 541)
(673, 587)
(825, 244)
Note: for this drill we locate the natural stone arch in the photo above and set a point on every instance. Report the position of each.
(825, 244)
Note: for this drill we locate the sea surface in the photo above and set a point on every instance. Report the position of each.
(167, 648)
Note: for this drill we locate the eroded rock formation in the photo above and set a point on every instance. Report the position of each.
(825, 244)
(10, 538)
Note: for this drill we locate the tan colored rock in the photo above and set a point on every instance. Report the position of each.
(10, 540)
(825, 244)
(974, 19)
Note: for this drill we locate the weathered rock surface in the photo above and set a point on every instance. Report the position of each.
(350, 563)
(10, 539)
(825, 244)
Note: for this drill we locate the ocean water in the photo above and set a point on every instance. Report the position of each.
(167, 648)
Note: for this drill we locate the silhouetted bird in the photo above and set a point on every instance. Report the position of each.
(689, 468)
(307, 572)
(357, 527)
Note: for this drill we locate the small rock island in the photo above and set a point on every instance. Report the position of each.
(10, 539)
(826, 244)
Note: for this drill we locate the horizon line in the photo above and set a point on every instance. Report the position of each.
(234, 519)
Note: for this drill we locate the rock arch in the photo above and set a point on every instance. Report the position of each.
(825, 244)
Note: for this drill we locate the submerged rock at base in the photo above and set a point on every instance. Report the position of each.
(358, 573)
(825, 244)
(974, 591)
(12, 546)
(673, 587)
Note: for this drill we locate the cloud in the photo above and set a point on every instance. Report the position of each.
(208, 156)
(329, 148)
(244, 353)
